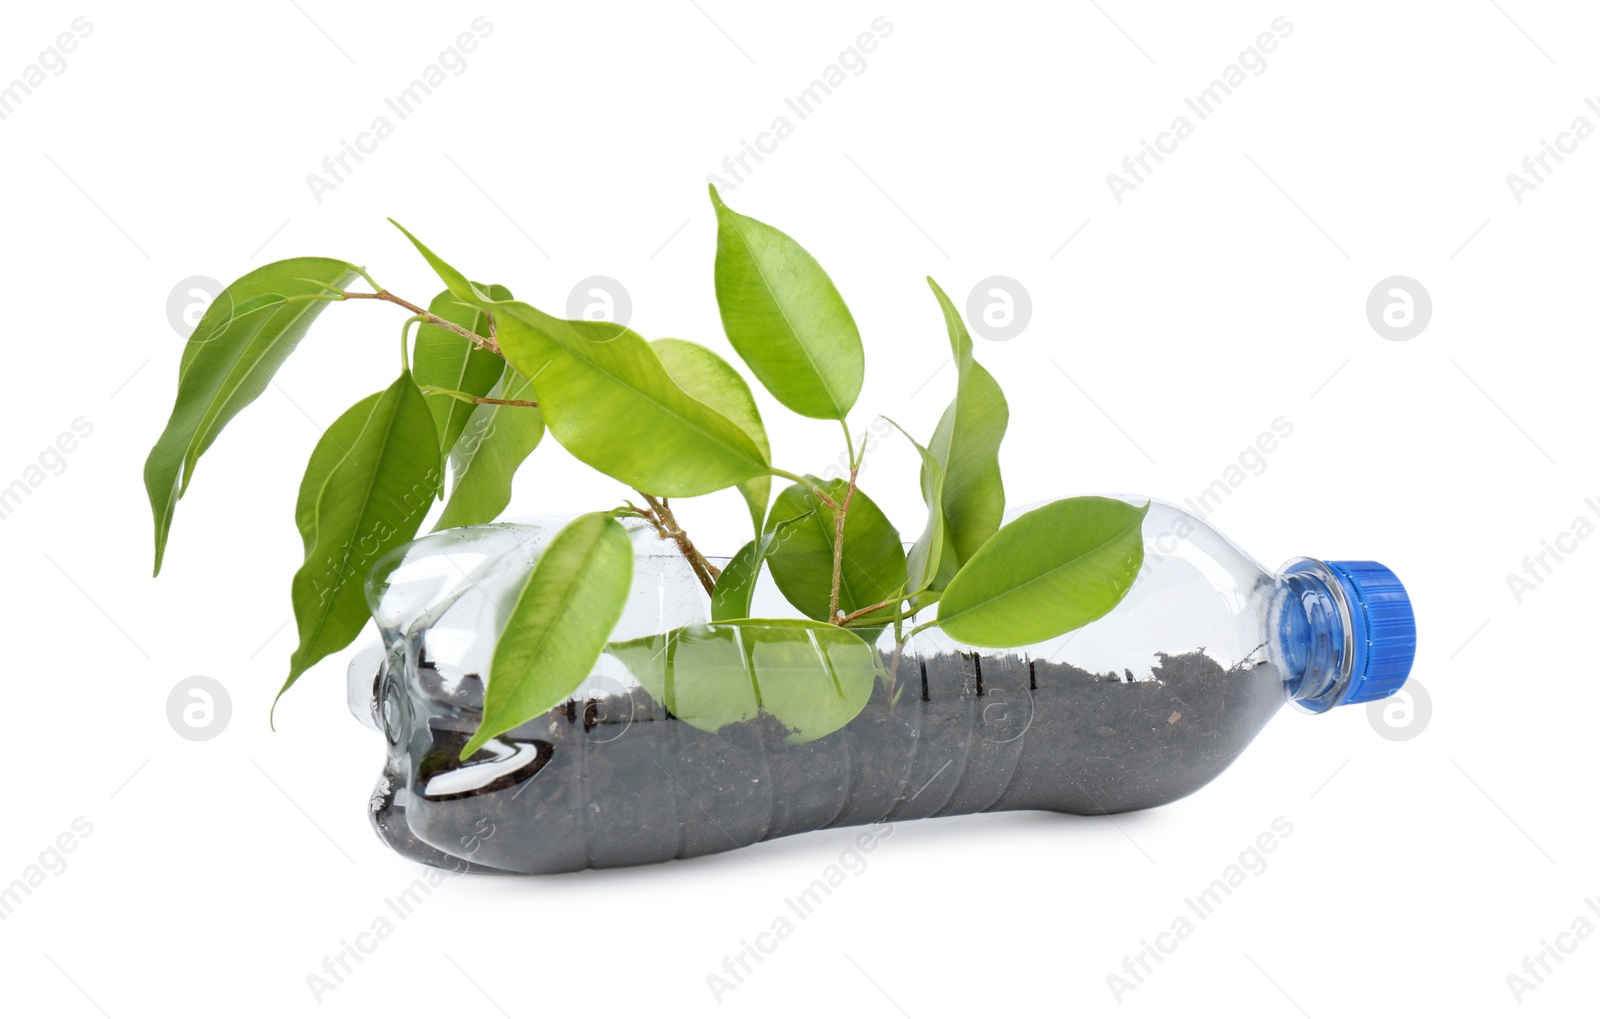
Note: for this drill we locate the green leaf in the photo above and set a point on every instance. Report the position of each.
(802, 558)
(241, 341)
(785, 317)
(1047, 572)
(559, 625)
(331, 450)
(449, 361)
(464, 289)
(730, 599)
(813, 686)
(375, 473)
(607, 398)
(715, 383)
(926, 558)
(813, 677)
(699, 673)
(486, 457)
(242, 309)
(967, 443)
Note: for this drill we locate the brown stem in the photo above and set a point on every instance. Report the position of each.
(816, 490)
(488, 343)
(505, 403)
(838, 546)
(858, 613)
(667, 527)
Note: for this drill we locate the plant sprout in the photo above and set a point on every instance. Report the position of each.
(485, 376)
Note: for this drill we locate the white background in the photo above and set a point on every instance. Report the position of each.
(1226, 290)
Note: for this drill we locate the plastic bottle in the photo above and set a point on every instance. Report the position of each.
(1136, 709)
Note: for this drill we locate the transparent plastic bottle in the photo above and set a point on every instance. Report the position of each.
(1136, 709)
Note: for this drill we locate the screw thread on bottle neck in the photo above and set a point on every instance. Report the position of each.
(1312, 623)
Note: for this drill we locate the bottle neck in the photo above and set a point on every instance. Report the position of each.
(1314, 635)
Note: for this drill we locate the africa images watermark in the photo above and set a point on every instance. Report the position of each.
(1252, 462)
(199, 708)
(50, 463)
(1399, 308)
(51, 63)
(51, 862)
(1404, 715)
(1250, 64)
(1251, 862)
(355, 555)
(1537, 167)
(851, 862)
(398, 908)
(1552, 953)
(851, 63)
(451, 63)
(1538, 568)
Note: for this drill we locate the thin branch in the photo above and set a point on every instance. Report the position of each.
(469, 398)
(858, 613)
(894, 670)
(650, 516)
(368, 277)
(405, 343)
(838, 545)
(667, 526)
(505, 403)
(817, 490)
(898, 604)
(488, 343)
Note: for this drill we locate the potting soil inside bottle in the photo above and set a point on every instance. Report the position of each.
(612, 779)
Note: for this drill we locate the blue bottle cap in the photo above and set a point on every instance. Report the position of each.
(1384, 628)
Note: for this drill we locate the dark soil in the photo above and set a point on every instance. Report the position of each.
(615, 780)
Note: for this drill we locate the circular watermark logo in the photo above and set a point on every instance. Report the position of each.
(999, 308)
(600, 299)
(1006, 713)
(198, 708)
(189, 301)
(606, 706)
(1399, 308)
(1402, 716)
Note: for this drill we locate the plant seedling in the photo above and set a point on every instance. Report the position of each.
(486, 376)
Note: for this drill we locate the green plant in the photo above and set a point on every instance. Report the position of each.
(487, 375)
